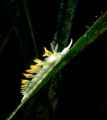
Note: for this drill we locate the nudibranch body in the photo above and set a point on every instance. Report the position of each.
(38, 71)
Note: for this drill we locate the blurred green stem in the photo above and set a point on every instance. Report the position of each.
(30, 26)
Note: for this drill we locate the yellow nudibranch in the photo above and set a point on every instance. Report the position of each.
(41, 68)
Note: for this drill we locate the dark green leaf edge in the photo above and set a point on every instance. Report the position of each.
(89, 36)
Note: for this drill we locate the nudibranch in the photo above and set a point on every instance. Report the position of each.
(38, 71)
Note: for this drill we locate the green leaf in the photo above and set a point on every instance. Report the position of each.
(90, 35)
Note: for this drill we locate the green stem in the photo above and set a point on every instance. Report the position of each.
(30, 25)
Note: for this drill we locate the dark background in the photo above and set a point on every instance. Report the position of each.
(83, 88)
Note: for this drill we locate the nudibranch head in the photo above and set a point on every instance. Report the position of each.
(66, 49)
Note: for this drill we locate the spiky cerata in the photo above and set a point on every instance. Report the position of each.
(37, 72)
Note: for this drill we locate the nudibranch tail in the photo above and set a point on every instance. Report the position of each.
(38, 71)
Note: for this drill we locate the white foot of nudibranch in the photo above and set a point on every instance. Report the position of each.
(23, 98)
